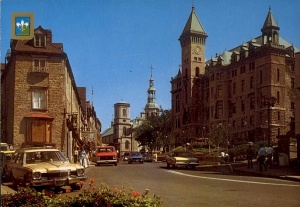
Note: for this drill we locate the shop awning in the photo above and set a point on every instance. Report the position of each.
(38, 116)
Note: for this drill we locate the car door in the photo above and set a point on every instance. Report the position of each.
(17, 168)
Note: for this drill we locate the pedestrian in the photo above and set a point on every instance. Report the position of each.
(222, 157)
(270, 153)
(226, 159)
(261, 158)
(83, 160)
(249, 156)
(76, 155)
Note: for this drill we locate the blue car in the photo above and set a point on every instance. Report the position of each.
(135, 157)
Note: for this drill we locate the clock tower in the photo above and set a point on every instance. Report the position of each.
(186, 95)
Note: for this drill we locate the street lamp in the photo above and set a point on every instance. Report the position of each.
(269, 102)
(131, 126)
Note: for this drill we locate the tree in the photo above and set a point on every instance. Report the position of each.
(156, 131)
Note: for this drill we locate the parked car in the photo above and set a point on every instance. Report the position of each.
(135, 157)
(41, 167)
(125, 156)
(6, 158)
(105, 155)
(148, 158)
(186, 159)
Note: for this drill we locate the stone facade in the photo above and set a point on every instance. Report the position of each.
(40, 101)
(234, 89)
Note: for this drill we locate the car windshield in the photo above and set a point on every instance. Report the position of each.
(135, 154)
(44, 156)
(106, 150)
(183, 154)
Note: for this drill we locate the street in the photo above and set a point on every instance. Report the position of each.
(180, 187)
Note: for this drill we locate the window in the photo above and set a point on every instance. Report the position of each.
(252, 102)
(292, 82)
(39, 100)
(124, 131)
(242, 105)
(124, 112)
(278, 115)
(39, 41)
(243, 69)
(243, 85)
(278, 97)
(127, 144)
(251, 66)
(278, 74)
(219, 109)
(39, 65)
(260, 76)
(197, 71)
(212, 111)
(292, 105)
(233, 88)
(251, 82)
(219, 91)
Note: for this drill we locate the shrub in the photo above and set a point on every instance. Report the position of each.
(103, 196)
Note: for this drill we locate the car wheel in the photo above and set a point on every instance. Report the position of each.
(116, 164)
(15, 182)
(76, 186)
(168, 165)
(193, 167)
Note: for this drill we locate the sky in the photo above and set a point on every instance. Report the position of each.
(111, 44)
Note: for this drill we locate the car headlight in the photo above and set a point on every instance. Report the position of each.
(80, 172)
(37, 175)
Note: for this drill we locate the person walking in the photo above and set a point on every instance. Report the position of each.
(270, 153)
(261, 158)
(249, 156)
(83, 160)
(76, 155)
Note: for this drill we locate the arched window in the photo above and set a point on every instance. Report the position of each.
(124, 112)
(127, 145)
(124, 131)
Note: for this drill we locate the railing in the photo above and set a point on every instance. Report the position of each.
(39, 70)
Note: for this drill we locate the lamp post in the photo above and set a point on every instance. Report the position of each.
(269, 102)
(131, 136)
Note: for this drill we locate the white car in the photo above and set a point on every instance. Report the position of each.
(182, 158)
(37, 167)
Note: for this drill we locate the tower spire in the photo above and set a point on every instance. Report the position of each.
(151, 106)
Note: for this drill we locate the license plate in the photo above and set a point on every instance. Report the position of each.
(59, 182)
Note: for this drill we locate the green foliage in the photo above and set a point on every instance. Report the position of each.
(28, 197)
(156, 131)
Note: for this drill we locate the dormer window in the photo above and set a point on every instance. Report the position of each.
(40, 40)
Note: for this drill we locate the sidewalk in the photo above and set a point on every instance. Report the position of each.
(279, 172)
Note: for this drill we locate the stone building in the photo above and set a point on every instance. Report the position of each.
(121, 132)
(39, 97)
(248, 91)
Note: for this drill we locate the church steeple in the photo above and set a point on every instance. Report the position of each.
(151, 106)
(193, 27)
(270, 30)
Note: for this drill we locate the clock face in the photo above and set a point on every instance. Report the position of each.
(197, 49)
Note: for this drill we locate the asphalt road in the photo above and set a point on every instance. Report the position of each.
(188, 188)
(180, 187)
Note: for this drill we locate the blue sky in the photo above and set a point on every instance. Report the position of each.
(112, 44)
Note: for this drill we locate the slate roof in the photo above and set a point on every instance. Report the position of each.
(193, 24)
(270, 21)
